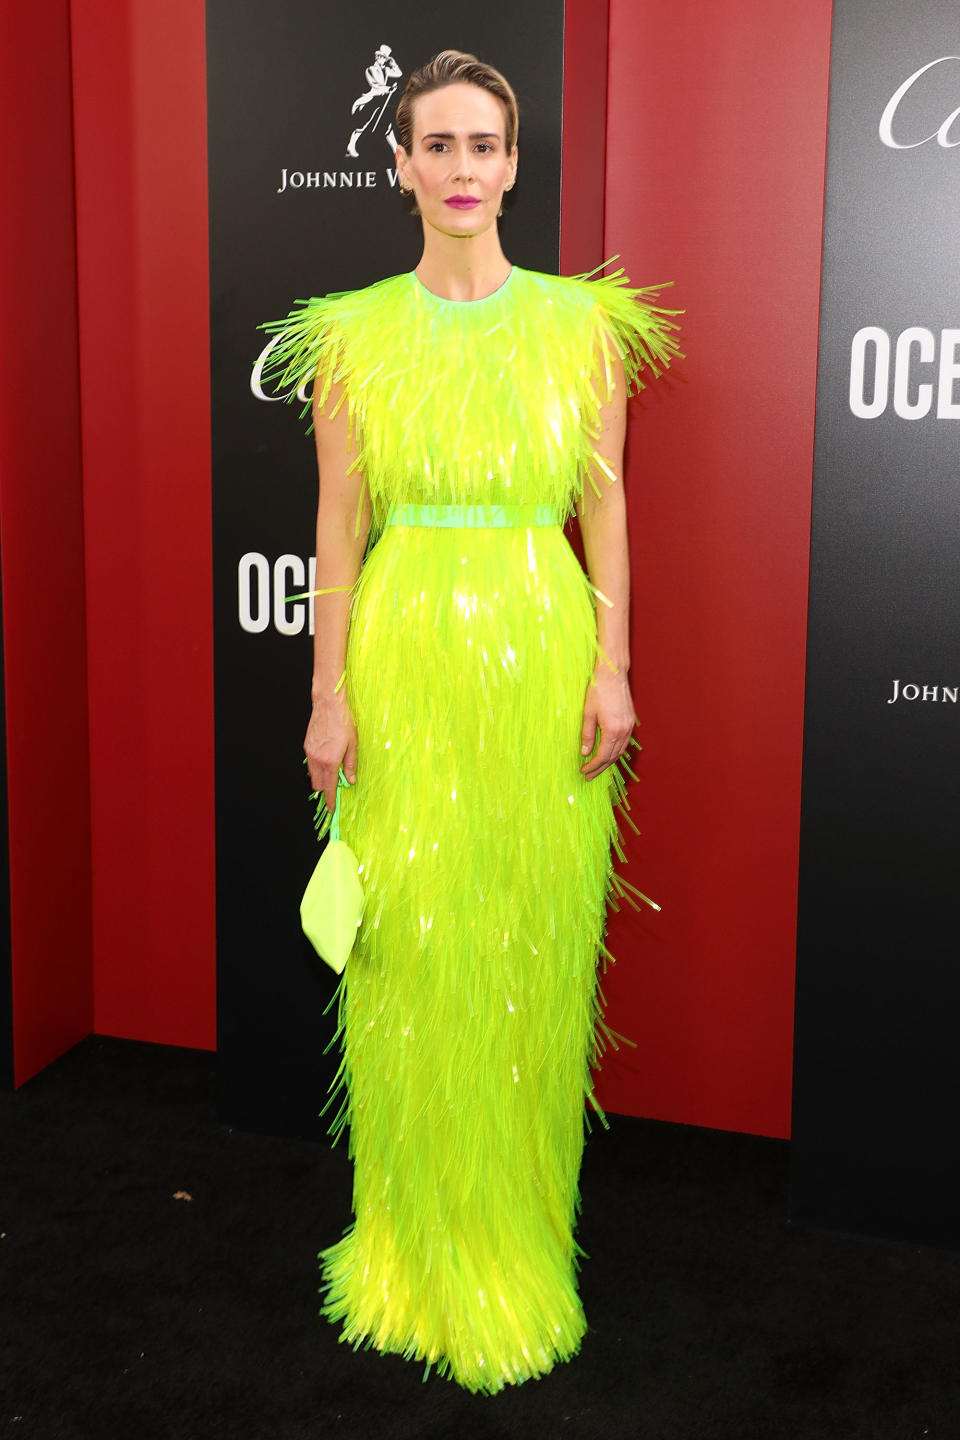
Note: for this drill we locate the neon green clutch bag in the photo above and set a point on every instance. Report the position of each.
(332, 904)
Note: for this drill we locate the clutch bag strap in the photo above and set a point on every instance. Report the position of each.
(335, 817)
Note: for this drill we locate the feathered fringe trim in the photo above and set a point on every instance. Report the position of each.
(620, 891)
(517, 1330)
(419, 373)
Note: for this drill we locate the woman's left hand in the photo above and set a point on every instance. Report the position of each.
(609, 708)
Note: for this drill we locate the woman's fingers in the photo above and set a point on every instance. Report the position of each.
(608, 713)
(329, 774)
(612, 745)
(597, 763)
(324, 773)
(330, 742)
(350, 760)
(588, 734)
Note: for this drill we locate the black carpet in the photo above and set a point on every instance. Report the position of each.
(130, 1311)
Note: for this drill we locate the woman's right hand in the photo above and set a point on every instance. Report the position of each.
(331, 741)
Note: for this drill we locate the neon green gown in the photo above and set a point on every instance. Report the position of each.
(469, 1010)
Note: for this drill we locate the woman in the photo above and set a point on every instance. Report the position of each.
(476, 695)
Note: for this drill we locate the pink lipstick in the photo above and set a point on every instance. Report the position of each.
(462, 202)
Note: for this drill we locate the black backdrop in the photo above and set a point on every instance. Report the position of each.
(876, 1078)
(6, 957)
(282, 81)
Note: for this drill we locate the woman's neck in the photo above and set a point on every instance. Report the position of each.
(462, 267)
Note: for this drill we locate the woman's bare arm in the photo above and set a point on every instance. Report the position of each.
(603, 525)
(331, 738)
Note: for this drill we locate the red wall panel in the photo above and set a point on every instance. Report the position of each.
(41, 524)
(715, 160)
(139, 86)
(585, 36)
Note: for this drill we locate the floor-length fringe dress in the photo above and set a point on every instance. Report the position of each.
(469, 1011)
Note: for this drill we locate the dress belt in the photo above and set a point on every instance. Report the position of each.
(473, 516)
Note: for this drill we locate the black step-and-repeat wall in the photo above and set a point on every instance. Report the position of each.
(303, 201)
(877, 1061)
(6, 957)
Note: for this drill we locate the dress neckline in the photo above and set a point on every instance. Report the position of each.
(443, 300)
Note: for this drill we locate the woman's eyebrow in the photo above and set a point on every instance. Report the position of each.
(448, 135)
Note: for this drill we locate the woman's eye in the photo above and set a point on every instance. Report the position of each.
(483, 146)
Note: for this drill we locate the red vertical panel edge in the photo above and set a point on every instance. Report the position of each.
(139, 89)
(583, 153)
(42, 537)
(715, 168)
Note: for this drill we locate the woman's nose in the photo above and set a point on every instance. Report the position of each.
(464, 166)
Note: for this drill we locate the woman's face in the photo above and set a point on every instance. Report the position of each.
(459, 166)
